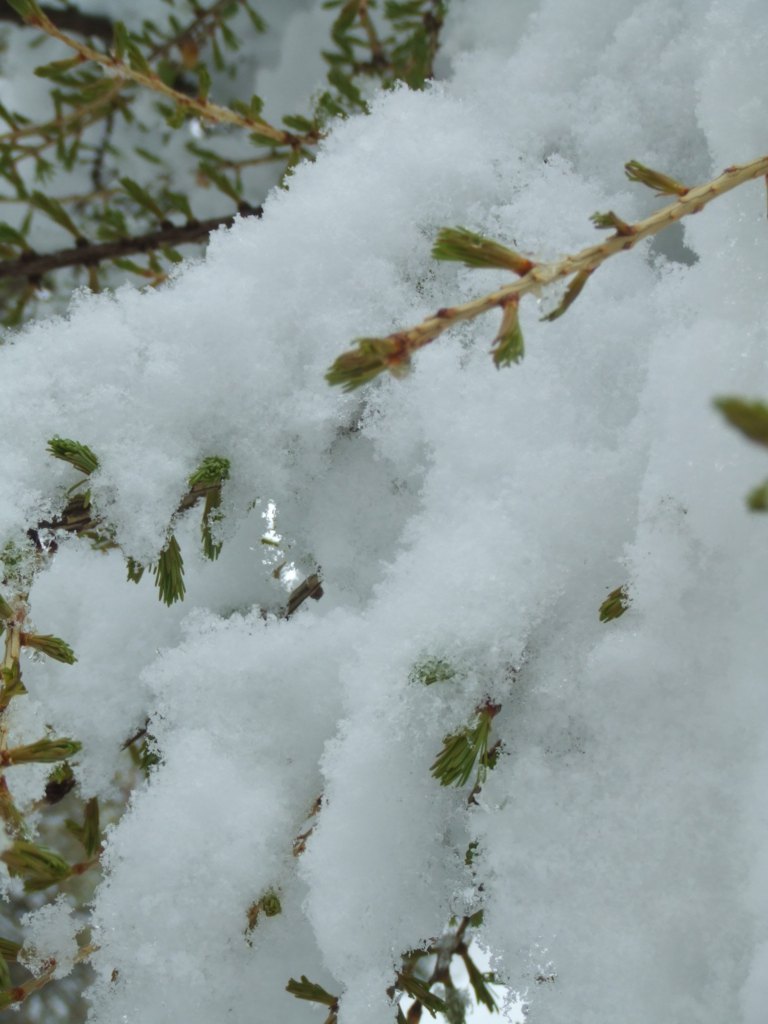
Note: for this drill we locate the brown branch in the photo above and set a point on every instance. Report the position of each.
(19, 993)
(35, 265)
(310, 587)
(374, 355)
(378, 57)
(70, 19)
(199, 106)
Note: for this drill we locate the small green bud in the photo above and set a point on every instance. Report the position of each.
(169, 573)
(614, 606)
(212, 470)
(37, 865)
(751, 418)
(660, 183)
(89, 833)
(9, 950)
(42, 752)
(757, 499)
(270, 903)
(462, 750)
(431, 671)
(608, 220)
(372, 356)
(52, 646)
(306, 989)
(508, 345)
(462, 246)
(5, 976)
(572, 293)
(78, 455)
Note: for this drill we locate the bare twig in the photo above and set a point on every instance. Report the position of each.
(373, 355)
(198, 106)
(34, 265)
(70, 19)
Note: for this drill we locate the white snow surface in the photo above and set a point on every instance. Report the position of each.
(463, 513)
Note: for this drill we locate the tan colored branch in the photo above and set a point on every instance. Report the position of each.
(374, 355)
(147, 78)
(71, 20)
(21, 992)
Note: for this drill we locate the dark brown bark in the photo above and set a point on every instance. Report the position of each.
(34, 265)
(69, 19)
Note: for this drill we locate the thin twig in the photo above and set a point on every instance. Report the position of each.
(34, 266)
(198, 106)
(393, 352)
(70, 19)
(21, 992)
(378, 56)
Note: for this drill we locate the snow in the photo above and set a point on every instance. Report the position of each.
(50, 935)
(476, 516)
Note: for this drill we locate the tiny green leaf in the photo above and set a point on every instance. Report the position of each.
(306, 989)
(9, 950)
(508, 345)
(135, 570)
(57, 69)
(431, 671)
(119, 39)
(462, 750)
(614, 606)
(660, 183)
(78, 455)
(136, 59)
(39, 866)
(53, 209)
(359, 366)
(474, 250)
(89, 833)
(169, 573)
(417, 989)
(751, 418)
(10, 236)
(298, 124)
(212, 470)
(571, 294)
(51, 646)
(757, 499)
(203, 81)
(609, 220)
(142, 197)
(221, 181)
(25, 8)
(478, 981)
(43, 752)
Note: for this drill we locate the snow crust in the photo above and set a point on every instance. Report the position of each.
(475, 516)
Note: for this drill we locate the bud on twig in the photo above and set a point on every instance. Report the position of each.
(508, 345)
(78, 455)
(571, 294)
(610, 220)
(660, 183)
(360, 365)
(476, 251)
(42, 752)
(38, 866)
(52, 646)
